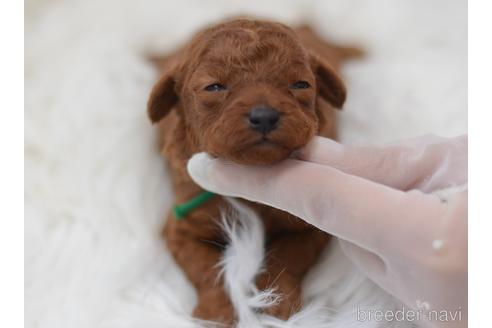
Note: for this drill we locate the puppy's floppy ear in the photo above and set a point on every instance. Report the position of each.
(162, 98)
(330, 86)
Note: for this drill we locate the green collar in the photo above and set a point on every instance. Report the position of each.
(182, 210)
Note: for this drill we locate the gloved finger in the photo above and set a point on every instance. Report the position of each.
(365, 213)
(367, 262)
(426, 163)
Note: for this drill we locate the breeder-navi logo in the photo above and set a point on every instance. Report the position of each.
(410, 315)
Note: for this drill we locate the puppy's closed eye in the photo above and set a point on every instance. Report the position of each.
(300, 85)
(215, 87)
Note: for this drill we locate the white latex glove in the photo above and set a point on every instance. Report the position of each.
(381, 202)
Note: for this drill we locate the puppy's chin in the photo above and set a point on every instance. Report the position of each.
(262, 153)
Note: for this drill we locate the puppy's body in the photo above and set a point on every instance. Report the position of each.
(263, 57)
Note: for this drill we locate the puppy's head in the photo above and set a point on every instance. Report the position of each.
(247, 91)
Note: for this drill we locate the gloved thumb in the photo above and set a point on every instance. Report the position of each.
(338, 203)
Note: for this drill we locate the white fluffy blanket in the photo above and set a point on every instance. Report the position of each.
(96, 188)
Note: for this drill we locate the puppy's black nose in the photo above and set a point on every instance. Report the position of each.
(263, 119)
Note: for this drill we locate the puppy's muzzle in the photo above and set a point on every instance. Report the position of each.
(263, 119)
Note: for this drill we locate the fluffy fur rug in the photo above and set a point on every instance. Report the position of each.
(96, 188)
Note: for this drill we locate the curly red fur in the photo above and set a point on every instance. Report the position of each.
(257, 61)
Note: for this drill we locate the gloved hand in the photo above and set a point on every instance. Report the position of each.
(385, 204)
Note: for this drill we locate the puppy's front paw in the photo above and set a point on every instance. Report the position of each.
(289, 304)
(289, 290)
(214, 305)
